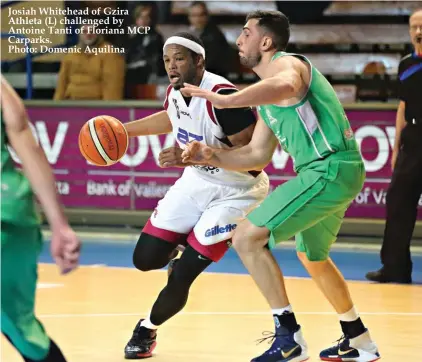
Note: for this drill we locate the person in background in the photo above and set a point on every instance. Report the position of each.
(91, 76)
(214, 40)
(144, 51)
(405, 188)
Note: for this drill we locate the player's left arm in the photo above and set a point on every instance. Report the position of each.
(237, 123)
(284, 82)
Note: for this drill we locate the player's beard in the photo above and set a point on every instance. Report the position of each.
(188, 77)
(178, 85)
(252, 61)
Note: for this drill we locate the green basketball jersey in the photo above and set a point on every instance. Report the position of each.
(17, 199)
(313, 128)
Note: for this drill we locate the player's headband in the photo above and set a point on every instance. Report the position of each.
(195, 47)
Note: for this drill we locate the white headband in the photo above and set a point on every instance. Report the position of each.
(198, 49)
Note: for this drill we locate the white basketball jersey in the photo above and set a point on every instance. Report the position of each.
(199, 122)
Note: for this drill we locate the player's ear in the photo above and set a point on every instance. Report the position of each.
(266, 43)
(201, 61)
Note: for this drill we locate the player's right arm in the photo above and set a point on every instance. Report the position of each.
(155, 124)
(33, 159)
(64, 244)
(256, 155)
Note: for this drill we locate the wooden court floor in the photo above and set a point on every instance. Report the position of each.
(92, 312)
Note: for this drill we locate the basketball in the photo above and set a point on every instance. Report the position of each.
(103, 140)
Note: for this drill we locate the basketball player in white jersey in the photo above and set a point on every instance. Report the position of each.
(202, 209)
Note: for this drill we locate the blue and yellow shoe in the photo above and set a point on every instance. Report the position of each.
(285, 348)
(359, 349)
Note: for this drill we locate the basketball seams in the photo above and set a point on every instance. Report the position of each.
(85, 154)
(86, 134)
(127, 139)
(97, 142)
(115, 137)
(108, 126)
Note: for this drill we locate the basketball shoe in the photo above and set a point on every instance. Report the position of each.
(142, 343)
(359, 349)
(143, 340)
(286, 347)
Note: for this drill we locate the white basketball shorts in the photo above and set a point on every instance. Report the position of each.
(204, 215)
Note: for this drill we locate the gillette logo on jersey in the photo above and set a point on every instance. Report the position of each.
(220, 230)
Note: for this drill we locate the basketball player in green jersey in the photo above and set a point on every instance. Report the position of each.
(299, 109)
(21, 240)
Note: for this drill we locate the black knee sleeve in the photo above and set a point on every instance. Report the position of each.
(152, 253)
(174, 296)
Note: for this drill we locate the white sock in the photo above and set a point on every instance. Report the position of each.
(349, 316)
(365, 342)
(280, 311)
(147, 324)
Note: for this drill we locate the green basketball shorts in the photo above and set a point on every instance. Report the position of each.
(20, 248)
(311, 206)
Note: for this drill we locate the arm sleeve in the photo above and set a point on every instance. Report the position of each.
(234, 120)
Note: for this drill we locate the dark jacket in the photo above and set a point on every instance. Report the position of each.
(144, 56)
(219, 54)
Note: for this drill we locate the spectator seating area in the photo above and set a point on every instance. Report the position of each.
(357, 45)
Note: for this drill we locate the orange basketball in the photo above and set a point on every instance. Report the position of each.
(103, 140)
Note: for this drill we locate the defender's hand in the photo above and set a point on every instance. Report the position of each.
(197, 153)
(217, 100)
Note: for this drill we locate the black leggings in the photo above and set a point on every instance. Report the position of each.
(154, 253)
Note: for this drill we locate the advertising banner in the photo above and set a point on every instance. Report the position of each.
(137, 182)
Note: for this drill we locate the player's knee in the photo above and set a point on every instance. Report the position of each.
(314, 263)
(151, 253)
(187, 269)
(241, 240)
(248, 237)
(144, 263)
(147, 261)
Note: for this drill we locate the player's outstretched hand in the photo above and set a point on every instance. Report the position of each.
(217, 100)
(65, 248)
(171, 157)
(197, 153)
